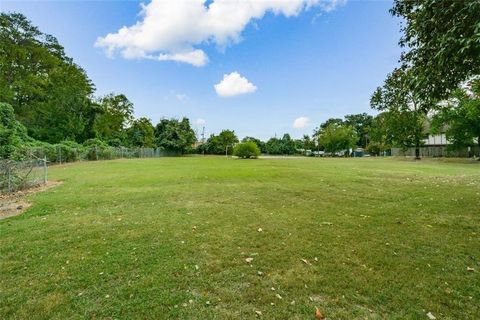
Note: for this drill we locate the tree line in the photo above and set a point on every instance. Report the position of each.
(48, 100)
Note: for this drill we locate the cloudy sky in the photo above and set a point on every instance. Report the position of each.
(260, 67)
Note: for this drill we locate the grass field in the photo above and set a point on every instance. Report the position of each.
(168, 238)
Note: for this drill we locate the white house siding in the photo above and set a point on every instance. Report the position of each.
(436, 140)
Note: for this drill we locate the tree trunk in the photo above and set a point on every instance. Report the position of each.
(417, 150)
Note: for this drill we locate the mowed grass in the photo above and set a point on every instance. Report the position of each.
(167, 239)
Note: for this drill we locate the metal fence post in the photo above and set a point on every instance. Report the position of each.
(9, 179)
(45, 170)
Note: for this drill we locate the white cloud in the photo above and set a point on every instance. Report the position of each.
(234, 84)
(198, 58)
(170, 29)
(200, 122)
(331, 5)
(181, 97)
(301, 123)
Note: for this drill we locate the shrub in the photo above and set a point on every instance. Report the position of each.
(12, 133)
(96, 149)
(115, 142)
(246, 150)
(38, 149)
(68, 151)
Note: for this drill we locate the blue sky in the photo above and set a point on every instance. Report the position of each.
(314, 64)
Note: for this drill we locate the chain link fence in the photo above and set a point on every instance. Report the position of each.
(18, 175)
(63, 154)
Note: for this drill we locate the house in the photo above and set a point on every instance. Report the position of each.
(437, 146)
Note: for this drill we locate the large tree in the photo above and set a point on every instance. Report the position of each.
(273, 146)
(141, 133)
(49, 93)
(335, 137)
(116, 113)
(460, 116)
(221, 143)
(307, 143)
(286, 145)
(380, 133)
(317, 131)
(442, 38)
(407, 108)
(175, 136)
(361, 122)
(336, 121)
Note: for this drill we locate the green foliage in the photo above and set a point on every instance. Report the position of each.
(49, 93)
(116, 113)
(288, 145)
(406, 109)
(68, 151)
(285, 146)
(248, 150)
(307, 143)
(96, 149)
(362, 123)
(141, 133)
(379, 134)
(218, 144)
(335, 121)
(443, 41)
(461, 117)
(273, 146)
(175, 136)
(335, 138)
(258, 142)
(12, 132)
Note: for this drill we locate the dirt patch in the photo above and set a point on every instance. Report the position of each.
(13, 204)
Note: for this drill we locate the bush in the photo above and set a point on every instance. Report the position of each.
(68, 151)
(246, 150)
(96, 149)
(115, 142)
(40, 150)
(12, 133)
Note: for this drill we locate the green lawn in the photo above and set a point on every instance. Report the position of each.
(167, 238)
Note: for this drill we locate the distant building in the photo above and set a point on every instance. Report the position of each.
(437, 146)
(436, 140)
